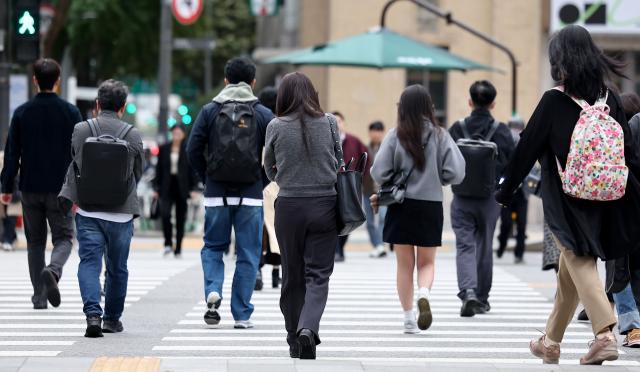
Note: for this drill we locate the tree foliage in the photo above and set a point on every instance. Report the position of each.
(120, 38)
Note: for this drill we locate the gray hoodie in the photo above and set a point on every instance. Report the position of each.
(444, 164)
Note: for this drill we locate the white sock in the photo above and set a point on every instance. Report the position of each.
(424, 292)
(409, 315)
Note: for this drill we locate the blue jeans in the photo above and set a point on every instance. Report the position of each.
(628, 316)
(374, 225)
(98, 238)
(247, 223)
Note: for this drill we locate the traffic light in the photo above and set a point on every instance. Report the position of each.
(25, 25)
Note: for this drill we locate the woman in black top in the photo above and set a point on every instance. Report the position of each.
(583, 229)
(173, 184)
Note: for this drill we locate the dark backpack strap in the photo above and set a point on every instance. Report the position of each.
(492, 131)
(465, 130)
(93, 127)
(124, 131)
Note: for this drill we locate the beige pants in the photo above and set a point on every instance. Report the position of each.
(578, 281)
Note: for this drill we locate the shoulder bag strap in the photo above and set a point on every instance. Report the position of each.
(337, 148)
(124, 131)
(492, 131)
(465, 130)
(93, 127)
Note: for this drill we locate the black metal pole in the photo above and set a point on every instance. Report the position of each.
(450, 20)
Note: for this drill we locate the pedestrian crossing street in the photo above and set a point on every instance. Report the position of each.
(363, 321)
(25, 332)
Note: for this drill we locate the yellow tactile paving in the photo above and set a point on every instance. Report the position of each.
(121, 364)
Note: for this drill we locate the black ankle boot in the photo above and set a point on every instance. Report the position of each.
(94, 327)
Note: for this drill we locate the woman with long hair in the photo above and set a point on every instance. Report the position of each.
(583, 229)
(422, 154)
(300, 158)
(173, 184)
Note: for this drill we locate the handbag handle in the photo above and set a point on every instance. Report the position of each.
(362, 162)
(337, 146)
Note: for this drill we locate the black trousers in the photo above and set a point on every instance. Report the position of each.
(519, 206)
(38, 210)
(342, 241)
(166, 206)
(307, 235)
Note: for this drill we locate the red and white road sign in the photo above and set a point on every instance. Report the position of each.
(186, 11)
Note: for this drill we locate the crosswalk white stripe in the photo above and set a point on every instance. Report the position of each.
(379, 296)
(407, 339)
(64, 292)
(28, 299)
(366, 361)
(29, 306)
(396, 308)
(42, 317)
(395, 324)
(29, 353)
(395, 316)
(376, 349)
(43, 326)
(396, 331)
(36, 343)
(396, 303)
(41, 334)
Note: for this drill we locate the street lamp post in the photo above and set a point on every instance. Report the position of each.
(164, 67)
(450, 20)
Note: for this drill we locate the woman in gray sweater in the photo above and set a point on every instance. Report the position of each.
(299, 156)
(424, 151)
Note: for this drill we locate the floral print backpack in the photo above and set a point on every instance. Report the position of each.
(595, 167)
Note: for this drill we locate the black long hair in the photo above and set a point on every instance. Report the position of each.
(580, 65)
(297, 96)
(414, 108)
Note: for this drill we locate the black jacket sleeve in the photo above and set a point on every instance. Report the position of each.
(12, 152)
(533, 141)
(198, 141)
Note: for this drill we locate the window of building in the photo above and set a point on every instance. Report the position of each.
(436, 84)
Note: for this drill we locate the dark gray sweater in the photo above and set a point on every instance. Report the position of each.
(301, 171)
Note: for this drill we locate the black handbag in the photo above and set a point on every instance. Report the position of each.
(154, 209)
(350, 214)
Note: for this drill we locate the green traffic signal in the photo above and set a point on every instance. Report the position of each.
(183, 110)
(186, 119)
(131, 108)
(26, 24)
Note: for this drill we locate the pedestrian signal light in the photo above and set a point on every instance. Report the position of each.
(26, 24)
(186, 119)
(183, 110)
(25, 27)
(131, 108)
(171, 122)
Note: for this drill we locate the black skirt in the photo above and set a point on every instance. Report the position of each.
(414, 222)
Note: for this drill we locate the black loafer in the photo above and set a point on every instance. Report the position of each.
(294, 350)
(50, 283)
(94, 327)
(112, 326)
(307, 342)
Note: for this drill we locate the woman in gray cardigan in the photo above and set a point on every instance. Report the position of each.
(299, 156)
(424, 151)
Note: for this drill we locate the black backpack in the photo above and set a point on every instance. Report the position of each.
(233, 156)
(481, 156)
(106, 177)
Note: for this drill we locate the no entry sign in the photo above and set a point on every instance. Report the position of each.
(186, 11)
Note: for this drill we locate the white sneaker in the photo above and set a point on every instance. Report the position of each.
(212, 316)
(243, 324)
(411, 327)
(7, 247)
(167, 250)
(378, 252)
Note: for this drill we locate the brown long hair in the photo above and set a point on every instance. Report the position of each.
(414, 108)
(297, 96)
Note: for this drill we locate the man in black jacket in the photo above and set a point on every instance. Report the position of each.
(39, 147)
(474, 219)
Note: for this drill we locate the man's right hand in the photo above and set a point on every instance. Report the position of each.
(6, 198)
